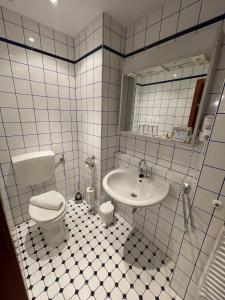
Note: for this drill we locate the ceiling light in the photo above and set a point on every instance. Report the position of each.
(174, 75)
(216, 103)
(54, 2)
(31, 39)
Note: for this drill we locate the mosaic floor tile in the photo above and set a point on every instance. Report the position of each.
(94, 262)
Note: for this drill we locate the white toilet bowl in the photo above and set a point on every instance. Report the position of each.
(51, 221)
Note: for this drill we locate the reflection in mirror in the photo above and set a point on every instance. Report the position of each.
(163, 101)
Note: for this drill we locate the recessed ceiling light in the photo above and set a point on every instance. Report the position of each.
(55, 2)
(174, 75)
(31, 39)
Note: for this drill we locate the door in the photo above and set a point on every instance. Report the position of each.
(11, 281)
(196, 102)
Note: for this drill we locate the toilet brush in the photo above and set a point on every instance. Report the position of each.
(78, 195)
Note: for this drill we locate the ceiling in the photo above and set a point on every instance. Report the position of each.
(71, 16)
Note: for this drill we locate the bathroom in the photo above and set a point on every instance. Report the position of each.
(112, 142)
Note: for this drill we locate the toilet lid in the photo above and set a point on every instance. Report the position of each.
(39, 214)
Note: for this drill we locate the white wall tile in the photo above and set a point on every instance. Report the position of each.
(215, 155)
(5, 68)
(210, 10)
(189, 16)
(32, 39)
(38, 88)
(14, 32)
(13, 129)
(211, 179)
(8, 100)
(15, 142)
(169, 26)
(22, 86)
(30, 24)
(20, 70)
(17, 54)
(217, 133)
(152, 34)
(34, 59)
(171, 8)
(47, 44)
(215, 227)
(25, 101)
(36, 74)
(11, 16)
(4, 51)
(6, 84)
(203, 199)
(139, 40)
(46, 31)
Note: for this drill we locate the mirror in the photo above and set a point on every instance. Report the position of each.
(165, 91)
(163, 101)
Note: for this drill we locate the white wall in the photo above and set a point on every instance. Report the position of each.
(163, 224)
(50, 103)
(97, 94)
(37, 107)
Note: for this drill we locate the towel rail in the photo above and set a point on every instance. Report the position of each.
(212, 281)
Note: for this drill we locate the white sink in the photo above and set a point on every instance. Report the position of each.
(125, 186)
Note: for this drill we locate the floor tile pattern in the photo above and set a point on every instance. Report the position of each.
(94, 262)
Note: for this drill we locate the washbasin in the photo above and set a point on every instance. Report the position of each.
(125, 186)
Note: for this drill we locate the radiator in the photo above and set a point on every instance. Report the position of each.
(212, 282)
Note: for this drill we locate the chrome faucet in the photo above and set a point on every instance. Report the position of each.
(143, 169)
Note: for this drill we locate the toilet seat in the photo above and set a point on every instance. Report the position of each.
(44, 215)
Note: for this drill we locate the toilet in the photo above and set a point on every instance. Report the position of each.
(35, 168)
(51, 221)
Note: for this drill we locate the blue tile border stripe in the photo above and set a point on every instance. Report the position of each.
(11, 42)
(87, 54)
(172, 80)
(103, 46)
(113, 51)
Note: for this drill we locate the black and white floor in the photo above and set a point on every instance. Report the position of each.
(94, 262)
